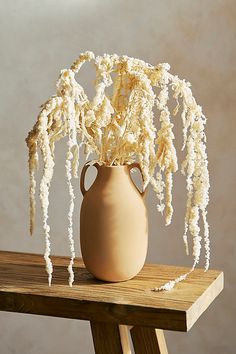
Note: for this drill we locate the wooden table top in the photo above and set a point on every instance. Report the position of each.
(24, 289)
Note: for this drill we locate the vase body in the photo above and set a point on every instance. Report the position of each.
(113, 225)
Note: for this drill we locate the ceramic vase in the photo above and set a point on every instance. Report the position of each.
(113, 224)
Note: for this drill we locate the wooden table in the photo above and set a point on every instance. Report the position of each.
(113, 309)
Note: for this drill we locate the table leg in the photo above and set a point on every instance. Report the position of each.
(147, 340)
(110, 338)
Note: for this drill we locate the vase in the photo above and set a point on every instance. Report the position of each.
(113, 224)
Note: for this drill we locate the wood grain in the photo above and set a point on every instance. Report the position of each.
(24, 288)
(109, 338)
(148, 340)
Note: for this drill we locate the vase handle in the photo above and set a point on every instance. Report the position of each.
(82, 176)
(136, 165)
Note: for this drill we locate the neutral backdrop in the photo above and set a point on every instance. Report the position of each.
(37, 39)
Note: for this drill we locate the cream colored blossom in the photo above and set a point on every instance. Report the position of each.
(119, 126)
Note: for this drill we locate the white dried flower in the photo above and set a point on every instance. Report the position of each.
(121, 128)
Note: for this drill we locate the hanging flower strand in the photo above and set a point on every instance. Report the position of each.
(120, 127)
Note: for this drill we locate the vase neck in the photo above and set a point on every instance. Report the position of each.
(109, 172)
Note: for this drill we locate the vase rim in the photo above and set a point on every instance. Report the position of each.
(113, 166)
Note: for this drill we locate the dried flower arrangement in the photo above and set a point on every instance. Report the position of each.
(120, 129)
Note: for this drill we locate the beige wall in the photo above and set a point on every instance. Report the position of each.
(197, 38)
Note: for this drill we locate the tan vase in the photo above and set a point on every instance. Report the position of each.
(113, 224)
